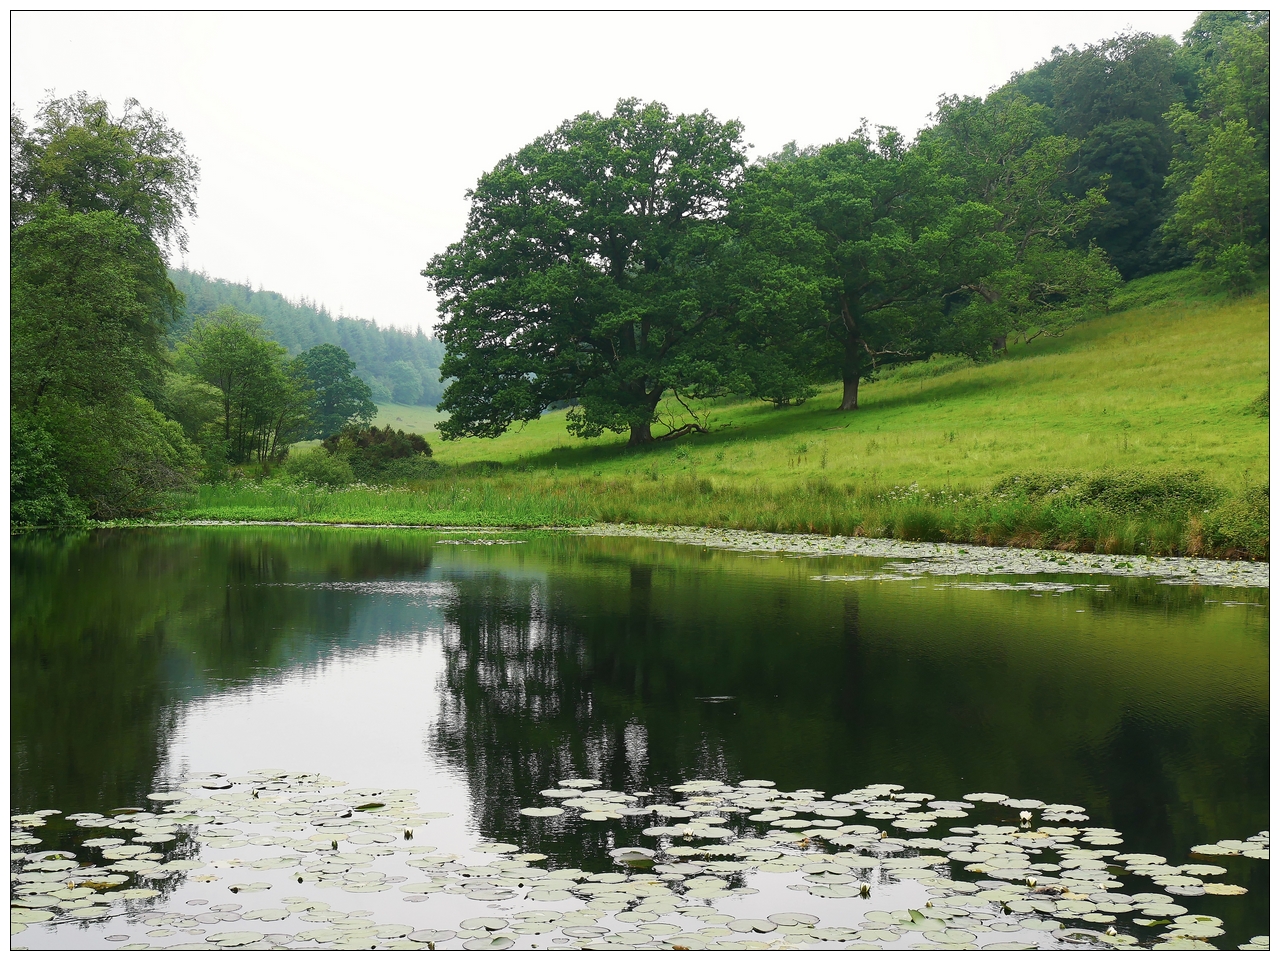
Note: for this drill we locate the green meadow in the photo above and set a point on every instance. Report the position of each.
(1136, 432)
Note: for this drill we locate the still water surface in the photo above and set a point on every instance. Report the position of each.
(482, 674)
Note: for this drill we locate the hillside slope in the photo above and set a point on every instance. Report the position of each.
(1160, 388)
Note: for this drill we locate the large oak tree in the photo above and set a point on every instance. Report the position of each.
(598, 267)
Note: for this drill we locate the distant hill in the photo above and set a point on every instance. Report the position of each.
(397, 365)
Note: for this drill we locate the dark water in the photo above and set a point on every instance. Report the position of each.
(483, 674)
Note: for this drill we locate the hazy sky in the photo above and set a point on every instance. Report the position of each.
(336, 148)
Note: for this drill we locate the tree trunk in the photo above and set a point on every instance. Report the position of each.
(850, 399)
(851, 373)
(1000, 344)
(640, 434)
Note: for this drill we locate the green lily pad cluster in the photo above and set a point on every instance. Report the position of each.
(1016, 878)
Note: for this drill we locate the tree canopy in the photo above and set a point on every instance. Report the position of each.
(596, 267)
(86, 159)
(93, 198)
(891, 236)
(1220, 168)
(340, 397)
(265, 403)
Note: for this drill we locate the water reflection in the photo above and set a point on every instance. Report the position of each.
(618, 671)
(641, 665)
(112, 632)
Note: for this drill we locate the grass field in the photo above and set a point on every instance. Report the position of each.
(1142, 420)
(416, 420)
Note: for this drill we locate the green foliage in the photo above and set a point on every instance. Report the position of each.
(304, 324)
(89, 302)
(319, 466)
(1028, 277)
(596, 266)
(1222, 216)
(888, 235)
(92, 198)
(382, 455)
(406, 383)
(86, 160)
(339, 396)
(265, 404)
(190, 401)
(1231, 53)
(1220, 170)
(1111, 98)
(120, 459)
(1121, 492)
(37, 490)
(1239, 526)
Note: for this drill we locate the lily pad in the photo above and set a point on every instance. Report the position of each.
(234, 939)
(431, 935)
(29, 915)
(1010, 946)
(788, 918)
(950, 936)
(1224, 889)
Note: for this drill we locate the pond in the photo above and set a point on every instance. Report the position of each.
(788, 740)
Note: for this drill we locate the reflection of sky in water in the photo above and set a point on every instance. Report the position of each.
(360, 717)
(507, 667)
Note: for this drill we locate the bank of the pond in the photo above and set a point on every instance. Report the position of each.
(1131, 514)
(913, 558)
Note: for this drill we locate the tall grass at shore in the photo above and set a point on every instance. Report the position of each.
(1124, 513)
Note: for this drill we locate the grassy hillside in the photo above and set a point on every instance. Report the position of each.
(1135, 432)
(1161, 388)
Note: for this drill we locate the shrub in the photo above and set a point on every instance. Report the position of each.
(417, 467)
(319, 467)
(373, 451)
(382, 455)
(1240, 525)
(37, 490)
(1117, 492)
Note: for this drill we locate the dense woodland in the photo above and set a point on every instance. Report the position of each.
(398, 365)
(623, 259)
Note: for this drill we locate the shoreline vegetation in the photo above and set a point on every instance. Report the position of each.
(1235, 529)
(1108, 439)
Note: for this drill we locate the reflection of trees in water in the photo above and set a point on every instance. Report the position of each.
(590, 676)
(611, 667)
(112, 632)
(520, 711)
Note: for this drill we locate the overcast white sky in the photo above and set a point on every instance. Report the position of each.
(336, 148)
